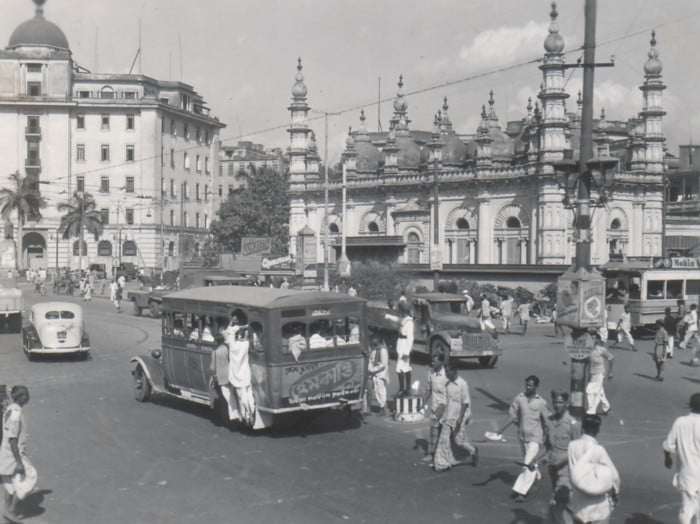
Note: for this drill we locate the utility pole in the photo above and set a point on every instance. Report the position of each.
(344, 266)
(326, 234)
(182, 227)
(435, 147)
(81, 195)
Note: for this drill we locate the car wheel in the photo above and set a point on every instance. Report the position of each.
(488, 362)
(439, 346)
(142, 387)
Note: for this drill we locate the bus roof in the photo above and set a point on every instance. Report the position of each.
(260, 296)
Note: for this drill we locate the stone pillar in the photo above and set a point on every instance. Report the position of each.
(485, 232)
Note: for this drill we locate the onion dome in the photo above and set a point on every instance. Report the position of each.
(554, 43)
(368, 155)
(38, 32)
(528, 118)
(299, 89)
(410, 154)
(653, 66)
(349, 140)
(454, 150)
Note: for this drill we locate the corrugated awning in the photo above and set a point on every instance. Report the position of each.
(373, 241)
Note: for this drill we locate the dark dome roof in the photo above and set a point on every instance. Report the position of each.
(502, 145)
(368, 156)
(410, 153)
(38, 32)
(453, 150)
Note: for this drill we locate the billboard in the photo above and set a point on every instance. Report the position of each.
(256, 246)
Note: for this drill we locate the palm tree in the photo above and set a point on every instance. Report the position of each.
(27, 201)
(80, 213)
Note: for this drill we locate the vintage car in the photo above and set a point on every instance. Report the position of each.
(54, 328)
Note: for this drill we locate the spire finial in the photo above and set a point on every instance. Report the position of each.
(483, 111)
(491, 99)
(553, 14)
(299, 66)
(529, 104)
(444, 105)
(39, 4)
(602, 114)
(653, 38)
(400, 81)
(362, 116)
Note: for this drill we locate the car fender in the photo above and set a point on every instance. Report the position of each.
(153, 370)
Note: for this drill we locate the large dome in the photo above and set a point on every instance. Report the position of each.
(38, 32)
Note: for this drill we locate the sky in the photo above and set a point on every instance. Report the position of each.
(241, 56)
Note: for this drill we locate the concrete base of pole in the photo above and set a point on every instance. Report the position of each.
(579, 368)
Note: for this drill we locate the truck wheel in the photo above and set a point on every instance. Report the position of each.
(488, 362)
(137, 309)
(142, 387)
(439, 346)
(154, 307)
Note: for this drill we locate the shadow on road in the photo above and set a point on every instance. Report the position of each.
(641, 518)
(520, 516)
(31, 506)
(505, 477)
(690, 379)
(648, 377)
(498, 403)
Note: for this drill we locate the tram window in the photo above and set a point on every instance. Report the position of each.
(674, 289)
(655, 289)
(692, 287)
(634, 289)
(294, 337)
(321, 334)
(256, 333)
(179, 325)
(239, 318)
(347, 331)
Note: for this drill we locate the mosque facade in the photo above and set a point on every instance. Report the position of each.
(147, 150)
(501, 192)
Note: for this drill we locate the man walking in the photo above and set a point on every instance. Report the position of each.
(690, 320)
(584, 454)
(670, 325)
(436, 393)
(529, 411)
(595, 390)
(13, 453)
(378, 370)
(524, 314)
(683, 443)
(507, 312)
(624, 328)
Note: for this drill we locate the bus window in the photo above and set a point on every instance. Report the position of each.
(692, 288)
(321, 334)
(655, 289)
(294, 337)
(347, 331)
(178, 325)
(674, 289)
(256, 333)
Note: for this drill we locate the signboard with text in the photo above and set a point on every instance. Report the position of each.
(581, 299)
(256, 246)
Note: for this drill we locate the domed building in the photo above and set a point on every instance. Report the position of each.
(71, 130)
(501, 200)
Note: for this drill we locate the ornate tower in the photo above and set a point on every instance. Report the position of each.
(299, 132)
(552, 94)
(483, 139)
(652, 110)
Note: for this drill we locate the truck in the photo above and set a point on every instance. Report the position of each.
(147, 299)
(441, 325)
(11, 305)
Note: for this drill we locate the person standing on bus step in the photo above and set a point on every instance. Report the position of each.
(435, 392)
(219, 366)
(595, 389)
(691, 326)
(404, 345)
(624, 328)
(683, 443)
(507, 312)
(660, 348)
(670, 325)
(529, 411)
(378, 369)
(239, 374)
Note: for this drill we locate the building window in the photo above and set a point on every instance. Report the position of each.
(206, 137)
(413, 249)
(373, 228)
(230, 170)
(196, 220)
(230, 189)
(105, 216)
(185, 192)
(206, 165)
(162, 156)
(196, 192)
(33, 68)
(130, 184)
(221, 170)
(83, 94)
(104, 248)
(129, 248)
(130, 122)
(206, 221)
(104, 153)
(162, 188)
(33, 153)
(75, 248)
(105, 123)
(104, 184)
(80, 153)
(34, 88)
(221, 191)
(173, 128)
(162, 126)
(80, 122)
(80, 183)
(172, 158)
(33, 126)
(199, 134)
(206, 193)
(172, 188)
(186, 132)
(186, 160)
(129, 213)
(172, 221)
(171, 246)
(107, 93)
(130, 95)
(186, 220)
(129, 153)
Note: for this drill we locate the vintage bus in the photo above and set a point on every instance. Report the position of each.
(307, 350)
(649, 286)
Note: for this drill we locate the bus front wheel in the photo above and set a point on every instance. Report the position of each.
(142, 387)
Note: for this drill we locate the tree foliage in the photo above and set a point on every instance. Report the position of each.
(258, 208)
(80, 212)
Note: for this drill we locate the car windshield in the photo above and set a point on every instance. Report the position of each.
(54, 315)
(449, 307)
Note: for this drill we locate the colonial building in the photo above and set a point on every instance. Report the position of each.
(682, 234)
(146, 149)
(245, 158)
(501, 190)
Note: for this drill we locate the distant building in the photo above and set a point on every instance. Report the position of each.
(244, 159)
(682, 235)
(146, 149)
(501, 200)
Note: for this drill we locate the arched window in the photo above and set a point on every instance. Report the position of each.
(104, 248)
(462, 223)
(413, 248)
(171, 249)
(129, 248)
(513, 223)
(615, 224)
(372, 227)
(334, 230)
(75, 248)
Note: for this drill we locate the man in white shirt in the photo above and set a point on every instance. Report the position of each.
(683, 442)
(691, 331)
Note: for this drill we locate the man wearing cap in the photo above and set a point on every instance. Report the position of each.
(683, 443)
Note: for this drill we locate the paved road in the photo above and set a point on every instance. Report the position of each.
(104, 458)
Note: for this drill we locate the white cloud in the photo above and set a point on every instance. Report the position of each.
(504, 46)
(619, 101)
(243, 92)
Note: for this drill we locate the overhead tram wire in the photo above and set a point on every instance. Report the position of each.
(427, 89)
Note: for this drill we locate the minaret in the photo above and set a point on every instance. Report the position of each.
(601, 138)
(299, 132)
(652, 110)
(444, 119)
(483, 139)
(349, 156)
(400, 121)
(552, 93)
